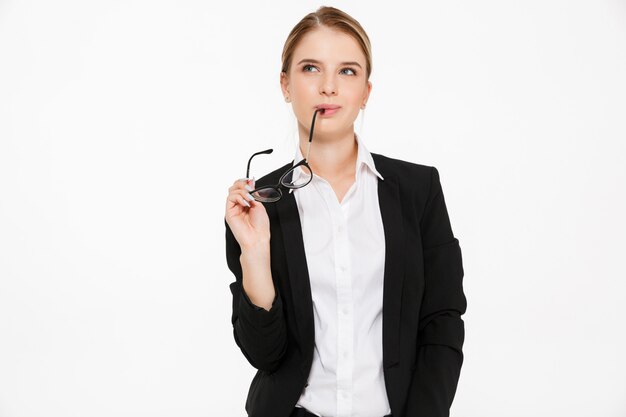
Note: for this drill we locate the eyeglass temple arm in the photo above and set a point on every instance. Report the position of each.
(267, 151)
(308, 149)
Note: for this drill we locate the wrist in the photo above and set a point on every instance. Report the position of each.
(256, 253)
(259, 245)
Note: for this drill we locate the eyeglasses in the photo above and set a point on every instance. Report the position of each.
(273, 193)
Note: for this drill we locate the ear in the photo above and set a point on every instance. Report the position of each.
(284, 84)
(367, 92)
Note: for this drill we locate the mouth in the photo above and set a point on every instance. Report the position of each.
(328, 109)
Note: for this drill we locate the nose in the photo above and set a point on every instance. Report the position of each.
(328, 85)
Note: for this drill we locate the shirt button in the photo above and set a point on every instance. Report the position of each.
(345, 311)
(345, 355)
(339, 229)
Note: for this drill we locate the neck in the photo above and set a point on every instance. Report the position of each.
(332, 157)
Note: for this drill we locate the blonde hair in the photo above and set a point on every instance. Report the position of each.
(332, 18)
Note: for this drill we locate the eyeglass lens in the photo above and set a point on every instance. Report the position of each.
(297, 180)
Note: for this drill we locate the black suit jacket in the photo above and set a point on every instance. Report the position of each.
(423, 300)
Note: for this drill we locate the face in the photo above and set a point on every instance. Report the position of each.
(319, 74)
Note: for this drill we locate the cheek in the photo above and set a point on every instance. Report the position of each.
(355, 99)
(299, 83)
(302, 86)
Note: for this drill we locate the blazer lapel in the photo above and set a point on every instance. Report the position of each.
(299, 281)
(391, 213)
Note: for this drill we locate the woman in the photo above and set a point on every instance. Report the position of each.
(348, 294)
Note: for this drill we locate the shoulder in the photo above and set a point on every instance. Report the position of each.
(418, 183)
(399, 167)
(418, 178)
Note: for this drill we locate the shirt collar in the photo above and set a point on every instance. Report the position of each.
(364, 157)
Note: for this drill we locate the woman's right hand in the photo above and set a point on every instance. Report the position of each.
(246, 217)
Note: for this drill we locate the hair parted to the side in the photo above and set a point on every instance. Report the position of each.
(333, 18)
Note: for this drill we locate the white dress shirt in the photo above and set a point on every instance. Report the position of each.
(345, 252)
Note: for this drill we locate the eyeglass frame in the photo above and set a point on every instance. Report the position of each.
(280, 185)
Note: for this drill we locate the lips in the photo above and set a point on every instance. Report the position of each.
(329, 109)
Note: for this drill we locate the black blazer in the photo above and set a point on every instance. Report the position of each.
(423, 300)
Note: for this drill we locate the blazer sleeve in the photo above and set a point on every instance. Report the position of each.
(441, 331)
(260, 334)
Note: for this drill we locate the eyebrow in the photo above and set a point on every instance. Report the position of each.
(315, 61)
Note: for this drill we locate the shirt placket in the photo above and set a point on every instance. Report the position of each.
(345, 317)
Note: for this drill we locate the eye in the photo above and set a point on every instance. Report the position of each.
(306, 66)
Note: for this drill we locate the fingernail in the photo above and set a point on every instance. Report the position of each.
(249, 197)
(249, 188)
(246, 203)
(243, 179)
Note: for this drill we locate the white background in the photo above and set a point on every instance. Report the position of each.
(123, 123)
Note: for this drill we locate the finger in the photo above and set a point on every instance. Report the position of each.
(241, 180)
(236, 199)
(238, 185)
(242, 192)
(232, 196)
(231, 201)
(241, 195)
(245, 194)
(243, 202)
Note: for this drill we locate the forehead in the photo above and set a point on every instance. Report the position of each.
(328, 45)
